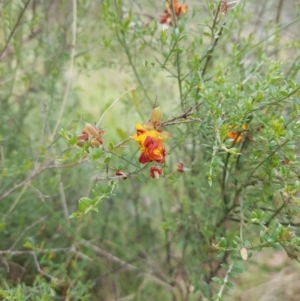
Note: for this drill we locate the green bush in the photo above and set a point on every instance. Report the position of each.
(104, 199)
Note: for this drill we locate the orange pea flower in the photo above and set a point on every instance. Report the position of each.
(179, 10)
(151, 139)
(151, 145)
(236, 135)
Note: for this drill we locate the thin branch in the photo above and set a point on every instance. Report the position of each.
(70, 75)
(184, 115)
(26, 40)
(14, 29)
(279, 9)
(121, 143)
(225, 280)
(63, 201)
(35, 260)
(179, 81)
(25, 230)
(109, 256)
(27, 180)
(36, 173)
(37, 265)
(115, 101)
(211, 50)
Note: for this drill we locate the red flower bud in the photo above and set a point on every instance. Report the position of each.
(82, 139)
(120, 173)
(155, 172)
(91, 130)
(155, 117)
(180, 167)
(96, 142)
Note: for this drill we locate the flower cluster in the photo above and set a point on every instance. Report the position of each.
(179, 10)
(90, 135)
(151, 142)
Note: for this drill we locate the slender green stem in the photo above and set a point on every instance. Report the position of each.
(220, 293)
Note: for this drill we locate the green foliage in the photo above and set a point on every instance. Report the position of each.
(76, 77)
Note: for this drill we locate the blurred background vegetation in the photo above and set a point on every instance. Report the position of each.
(179, 237)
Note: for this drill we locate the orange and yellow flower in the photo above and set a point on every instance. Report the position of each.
(151, 139)
(179, 10)
(151, 144)
(237, 135)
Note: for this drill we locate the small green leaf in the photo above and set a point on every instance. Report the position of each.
(205, 289)
(230, 285)
(95, 209)
(2, 226)
(84, 203)
(232, 275)
(237, 270)
(75, 215)
(28, 245)
(73, 140)
(97, 153)
(225, 266)
(107, 158)
(218, 279)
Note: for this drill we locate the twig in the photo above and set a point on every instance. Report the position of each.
(5, 263)
(14, 29)
(278, 209)
(35, 260)
(188, 120)
(225, 280)
(211, 50)
(63, 201)
(70, 75)
(121, 37)
(37, 265)
(36, 173)
(279, 11)
(25, 230)
(23, 42)
(184, 115)
(121, 143)
(16, 201)
(209, 53)
(167, 241)
(177, 55)
(27, 180)
(107, 255)
(115, 101)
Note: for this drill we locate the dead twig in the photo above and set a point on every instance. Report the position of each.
(184, 115)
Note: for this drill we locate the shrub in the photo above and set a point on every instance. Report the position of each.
(176, 133)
